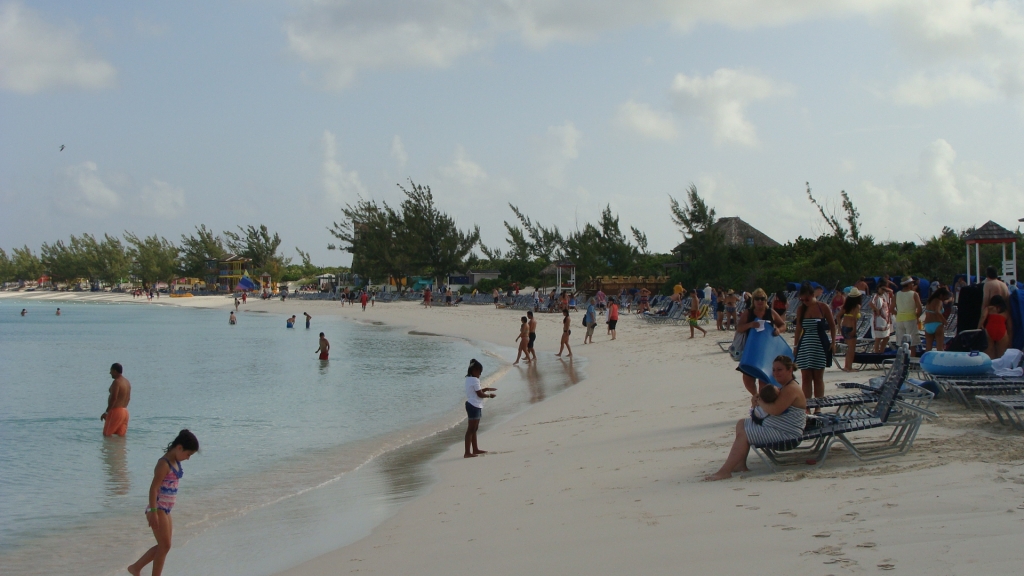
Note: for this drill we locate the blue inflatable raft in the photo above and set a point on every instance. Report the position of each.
(956, 363)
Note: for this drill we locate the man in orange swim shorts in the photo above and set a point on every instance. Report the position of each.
(115, 419)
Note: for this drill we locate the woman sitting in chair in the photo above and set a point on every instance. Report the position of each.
(769, 422)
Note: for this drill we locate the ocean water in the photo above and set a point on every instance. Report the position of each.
(285, 439)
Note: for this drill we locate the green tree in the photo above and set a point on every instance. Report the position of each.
(197, 248)
(376, 237)
(64, 262)
(155, 259)
(438, 246)
(27, 265)
(111, 260)
(259, 245)
(6, 267)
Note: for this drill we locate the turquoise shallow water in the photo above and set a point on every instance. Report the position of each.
(279, 431)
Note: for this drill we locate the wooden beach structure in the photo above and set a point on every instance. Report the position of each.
(992, 233)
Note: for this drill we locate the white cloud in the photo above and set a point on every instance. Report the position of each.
(85, 193)
(926, 91)
(344, 37)
(940, 192)
(159, 199)
(340, 186)
(722, 99)
(561, 147)
(37, 56)
(971, 50)
(639, 118)
(398, 151)
(463, 171)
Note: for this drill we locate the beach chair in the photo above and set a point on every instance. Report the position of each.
(1006, 409)
(964, 389)
(825, 430)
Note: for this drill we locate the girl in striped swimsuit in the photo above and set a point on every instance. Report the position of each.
(769, 422)
(162, 494)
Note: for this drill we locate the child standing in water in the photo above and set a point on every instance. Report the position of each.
(475, 406)
(162, 494)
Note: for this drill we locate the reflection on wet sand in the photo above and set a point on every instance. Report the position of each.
(534, 382)
(324, 365)
(570, 372)
(114, 452)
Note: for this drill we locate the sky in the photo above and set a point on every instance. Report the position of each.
(280, 113)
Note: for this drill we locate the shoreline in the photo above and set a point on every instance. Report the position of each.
(409, 449)
(606, 476)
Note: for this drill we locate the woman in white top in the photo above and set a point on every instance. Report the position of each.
(475, 406)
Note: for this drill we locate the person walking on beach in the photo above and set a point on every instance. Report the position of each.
(324, 349)
(694, 319)
(243, 297)
(232, 319)
(115, 419)
(523, 338)
(426, 297)
(731, 299)
(530, 348)
(363, 299)
(308, 318)
(475, 406)
(613, 316)
(163, 493)
(590, 319)
(566, 332)
(236, 304)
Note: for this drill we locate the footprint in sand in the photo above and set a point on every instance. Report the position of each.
(866, 545)
(823, 535)
(789, 513)
(886, 566)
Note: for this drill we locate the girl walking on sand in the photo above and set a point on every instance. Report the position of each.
(162, 494)
(475, 406)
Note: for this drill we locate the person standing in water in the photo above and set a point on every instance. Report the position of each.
(290, 323)
(475, 406)
(231, 319)
(566, 332)
(24, 311)
(530, 350)
(308, 318)
(115, 419)
(523, 338)
(58, 311)
(163, 493)
(325, 347)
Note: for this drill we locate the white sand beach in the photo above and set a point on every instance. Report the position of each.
(606, 477)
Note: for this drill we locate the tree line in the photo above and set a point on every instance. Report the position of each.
(150, 259)
(417, 238)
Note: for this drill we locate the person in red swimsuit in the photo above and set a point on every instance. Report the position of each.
(325, 347)
(995, 319)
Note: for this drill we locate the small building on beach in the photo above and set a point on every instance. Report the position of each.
(227, 271)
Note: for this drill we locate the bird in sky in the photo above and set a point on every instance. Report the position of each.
(61, 148)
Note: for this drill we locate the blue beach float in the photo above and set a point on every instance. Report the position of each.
(956, 363)
(759, 353)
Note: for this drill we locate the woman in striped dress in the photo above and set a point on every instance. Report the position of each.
(769, 422)
(813, 348)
